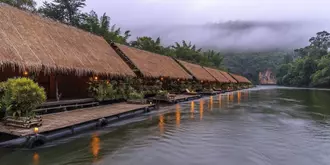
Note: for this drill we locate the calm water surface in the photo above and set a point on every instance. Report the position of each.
(265, 125)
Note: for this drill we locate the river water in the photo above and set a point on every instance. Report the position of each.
(260, 126)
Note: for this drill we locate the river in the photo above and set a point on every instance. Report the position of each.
(260, 126)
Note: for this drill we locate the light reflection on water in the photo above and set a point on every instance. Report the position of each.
(95, 146)
(268, 126)
(201, 109)
(35, 159)
(192, 109)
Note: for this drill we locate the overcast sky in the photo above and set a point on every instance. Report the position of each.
(159, 17)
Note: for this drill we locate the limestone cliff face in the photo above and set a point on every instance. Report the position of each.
(267, 78)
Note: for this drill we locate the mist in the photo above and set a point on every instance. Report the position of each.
(252, 25)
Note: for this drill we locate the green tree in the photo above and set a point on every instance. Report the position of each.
(149, 44)
(214, 59)
(321, 78)
(66, 11)
(22, 4)
(318, 46)
(101, 26)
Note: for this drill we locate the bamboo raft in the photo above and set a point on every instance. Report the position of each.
(56, 121)
(176, 99)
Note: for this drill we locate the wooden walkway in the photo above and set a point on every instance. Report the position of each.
(60, 120)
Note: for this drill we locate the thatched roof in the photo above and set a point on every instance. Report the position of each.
(217, 74)
(240, 79)
(229, 77)
(197, 71)
(154, 65)
(31, 42)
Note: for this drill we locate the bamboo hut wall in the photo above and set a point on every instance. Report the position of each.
(72, 87)
(154, 65)
(217, 74)
(198, 71)
(33, 43)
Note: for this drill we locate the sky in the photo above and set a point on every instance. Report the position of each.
(248, 24)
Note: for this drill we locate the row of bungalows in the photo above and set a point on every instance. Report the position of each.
(62, 58)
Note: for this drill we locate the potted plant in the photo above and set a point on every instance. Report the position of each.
(20, 97)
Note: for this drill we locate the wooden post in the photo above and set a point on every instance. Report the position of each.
(56, 89)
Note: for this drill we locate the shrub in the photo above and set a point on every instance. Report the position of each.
(101, 90)
(162, 93)
(135, 96)
(21, 95)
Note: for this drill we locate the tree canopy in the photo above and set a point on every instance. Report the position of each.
(311, 65)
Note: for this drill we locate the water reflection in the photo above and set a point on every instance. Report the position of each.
(35, 159)
(238, 97)
(280, 127)
(211, 103)
(231, 97)
(161, 124)
(95, 146)
(220, 100)
(246, 94)
(177, 115)
(192, 109)
(201, 109)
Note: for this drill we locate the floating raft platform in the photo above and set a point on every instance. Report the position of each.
(176, 99)
(210, 93)
(57, 125)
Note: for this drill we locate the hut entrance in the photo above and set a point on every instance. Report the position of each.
(72, 87)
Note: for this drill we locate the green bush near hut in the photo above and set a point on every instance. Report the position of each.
(2, 107)
(19, 96)
(101, 90)
(162, 93)
(135, 96)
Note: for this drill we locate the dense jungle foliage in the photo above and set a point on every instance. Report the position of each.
(310, 66)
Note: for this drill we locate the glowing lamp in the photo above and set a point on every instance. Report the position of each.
(36, 130)
(161, 79)
(202, 81)
(25, 73)
(96, 78)
(178, 79)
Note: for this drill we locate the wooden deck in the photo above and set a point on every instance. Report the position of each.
(60, 120)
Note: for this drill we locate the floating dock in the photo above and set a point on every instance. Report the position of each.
(62, 124)
(176, 99)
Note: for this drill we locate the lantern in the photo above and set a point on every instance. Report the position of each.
(161, 79)
(36, 130)
(25, 73)
(96, 78)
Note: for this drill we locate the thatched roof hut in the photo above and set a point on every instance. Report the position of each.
(217, 75)
(229, 77)
(240, 79)
(197, 71)
(30, 42)
(154, 65)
